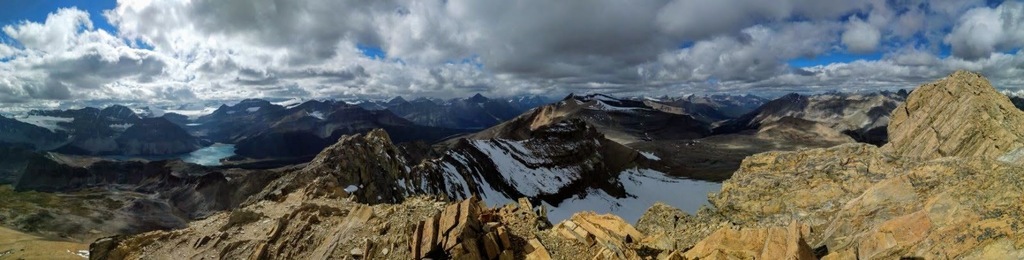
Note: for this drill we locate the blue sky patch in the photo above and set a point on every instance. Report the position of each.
(373, 52)
(830, 58)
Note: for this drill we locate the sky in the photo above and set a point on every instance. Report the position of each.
(180, 51)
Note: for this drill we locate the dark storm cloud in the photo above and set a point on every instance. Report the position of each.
(92, 70)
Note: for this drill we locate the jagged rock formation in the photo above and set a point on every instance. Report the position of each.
(960, 115)
(865, 202)
(367, 167)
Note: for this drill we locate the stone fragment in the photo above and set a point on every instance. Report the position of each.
(536, 250)
(490, 242)
(503, 237)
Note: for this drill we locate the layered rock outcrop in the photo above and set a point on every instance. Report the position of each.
(960, 115)
(943, 188)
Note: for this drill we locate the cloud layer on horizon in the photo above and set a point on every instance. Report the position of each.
(185, 50)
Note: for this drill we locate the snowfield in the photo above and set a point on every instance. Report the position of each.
(48, 122)
(645, 188)
(511, 159)
(531, 175)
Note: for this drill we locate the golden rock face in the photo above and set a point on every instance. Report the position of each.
(960, 115)
(942, 188)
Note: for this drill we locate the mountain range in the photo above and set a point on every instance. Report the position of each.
(944, 185)
(321, 179)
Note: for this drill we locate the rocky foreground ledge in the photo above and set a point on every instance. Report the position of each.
(949, 185)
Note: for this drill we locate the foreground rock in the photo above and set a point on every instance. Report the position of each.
(892, 202)
(754, 243)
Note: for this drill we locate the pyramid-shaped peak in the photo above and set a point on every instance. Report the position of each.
(959, 115)
(397, 100)
(478, 98)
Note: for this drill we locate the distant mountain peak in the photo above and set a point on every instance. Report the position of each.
(252, 101)
(119, 112)
(478, 98)
(397, 100)
(791, 96)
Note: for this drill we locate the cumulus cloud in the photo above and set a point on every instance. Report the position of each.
(177, 50)
(982, 31)
(64, 58)
(756, 53)
(861, 37)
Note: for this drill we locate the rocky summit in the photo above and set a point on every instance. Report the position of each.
(960, 115)
(947, 186)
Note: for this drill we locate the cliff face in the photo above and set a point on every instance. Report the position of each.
(550, 163)
(960, 115)
(365, 167)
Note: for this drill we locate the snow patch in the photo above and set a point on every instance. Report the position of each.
(601, 105)
(645, 187)
(121, 127)
(193, 114)
(351, 188)
(252, 109)
(289, 103)
(48, 122)
(516, 163)
(650, 156)
(318, 115)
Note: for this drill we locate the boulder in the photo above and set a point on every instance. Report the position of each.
(610, 231)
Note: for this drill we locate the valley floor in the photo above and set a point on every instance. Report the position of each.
(18, 245)
(715, 158)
